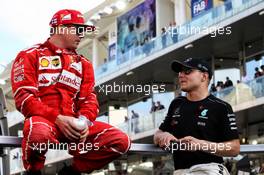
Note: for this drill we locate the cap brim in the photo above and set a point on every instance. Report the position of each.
(178, 66)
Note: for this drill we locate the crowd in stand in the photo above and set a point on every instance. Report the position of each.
(169, 32)
(156, 106)
(134, 121)
(221, 85)
(228, 83)
(259, 72)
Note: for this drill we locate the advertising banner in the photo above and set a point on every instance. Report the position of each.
(200, 6)
(137, 26)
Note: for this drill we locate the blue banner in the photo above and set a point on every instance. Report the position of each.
(200, 6)
(136, 26)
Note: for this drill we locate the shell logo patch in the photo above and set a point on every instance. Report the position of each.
(44, 62)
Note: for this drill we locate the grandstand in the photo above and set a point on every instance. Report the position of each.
(131, 57)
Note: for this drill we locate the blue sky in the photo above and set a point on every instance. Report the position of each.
(25, 23)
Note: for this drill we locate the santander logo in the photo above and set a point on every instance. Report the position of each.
(74, 82)
(70, 79)
(66, 77)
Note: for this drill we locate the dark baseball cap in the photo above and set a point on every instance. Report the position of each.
(192, 63)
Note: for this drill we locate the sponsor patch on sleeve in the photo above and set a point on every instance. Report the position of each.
(18, 70)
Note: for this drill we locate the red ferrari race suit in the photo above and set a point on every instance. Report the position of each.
(48, 81)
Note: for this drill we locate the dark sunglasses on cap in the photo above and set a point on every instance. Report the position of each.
(187, 71)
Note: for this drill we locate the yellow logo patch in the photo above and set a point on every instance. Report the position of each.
(44, 62)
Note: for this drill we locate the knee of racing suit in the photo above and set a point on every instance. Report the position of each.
(39, 135)
(122, 144)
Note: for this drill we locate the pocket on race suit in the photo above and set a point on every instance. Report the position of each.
(208, 169)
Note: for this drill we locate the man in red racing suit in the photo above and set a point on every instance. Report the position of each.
(52, 85)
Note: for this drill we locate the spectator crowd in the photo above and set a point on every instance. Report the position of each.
(135, 116)
(228, 83)
(221, 85)
(259, 72)
(156, 107)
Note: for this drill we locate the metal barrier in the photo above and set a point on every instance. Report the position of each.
(13, 141)
(136, 148)
(10, 141)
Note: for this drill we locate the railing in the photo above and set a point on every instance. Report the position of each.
(147, 149)
(208, 19)
(243, 92)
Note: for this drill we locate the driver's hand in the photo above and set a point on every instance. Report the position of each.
(66, 126)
